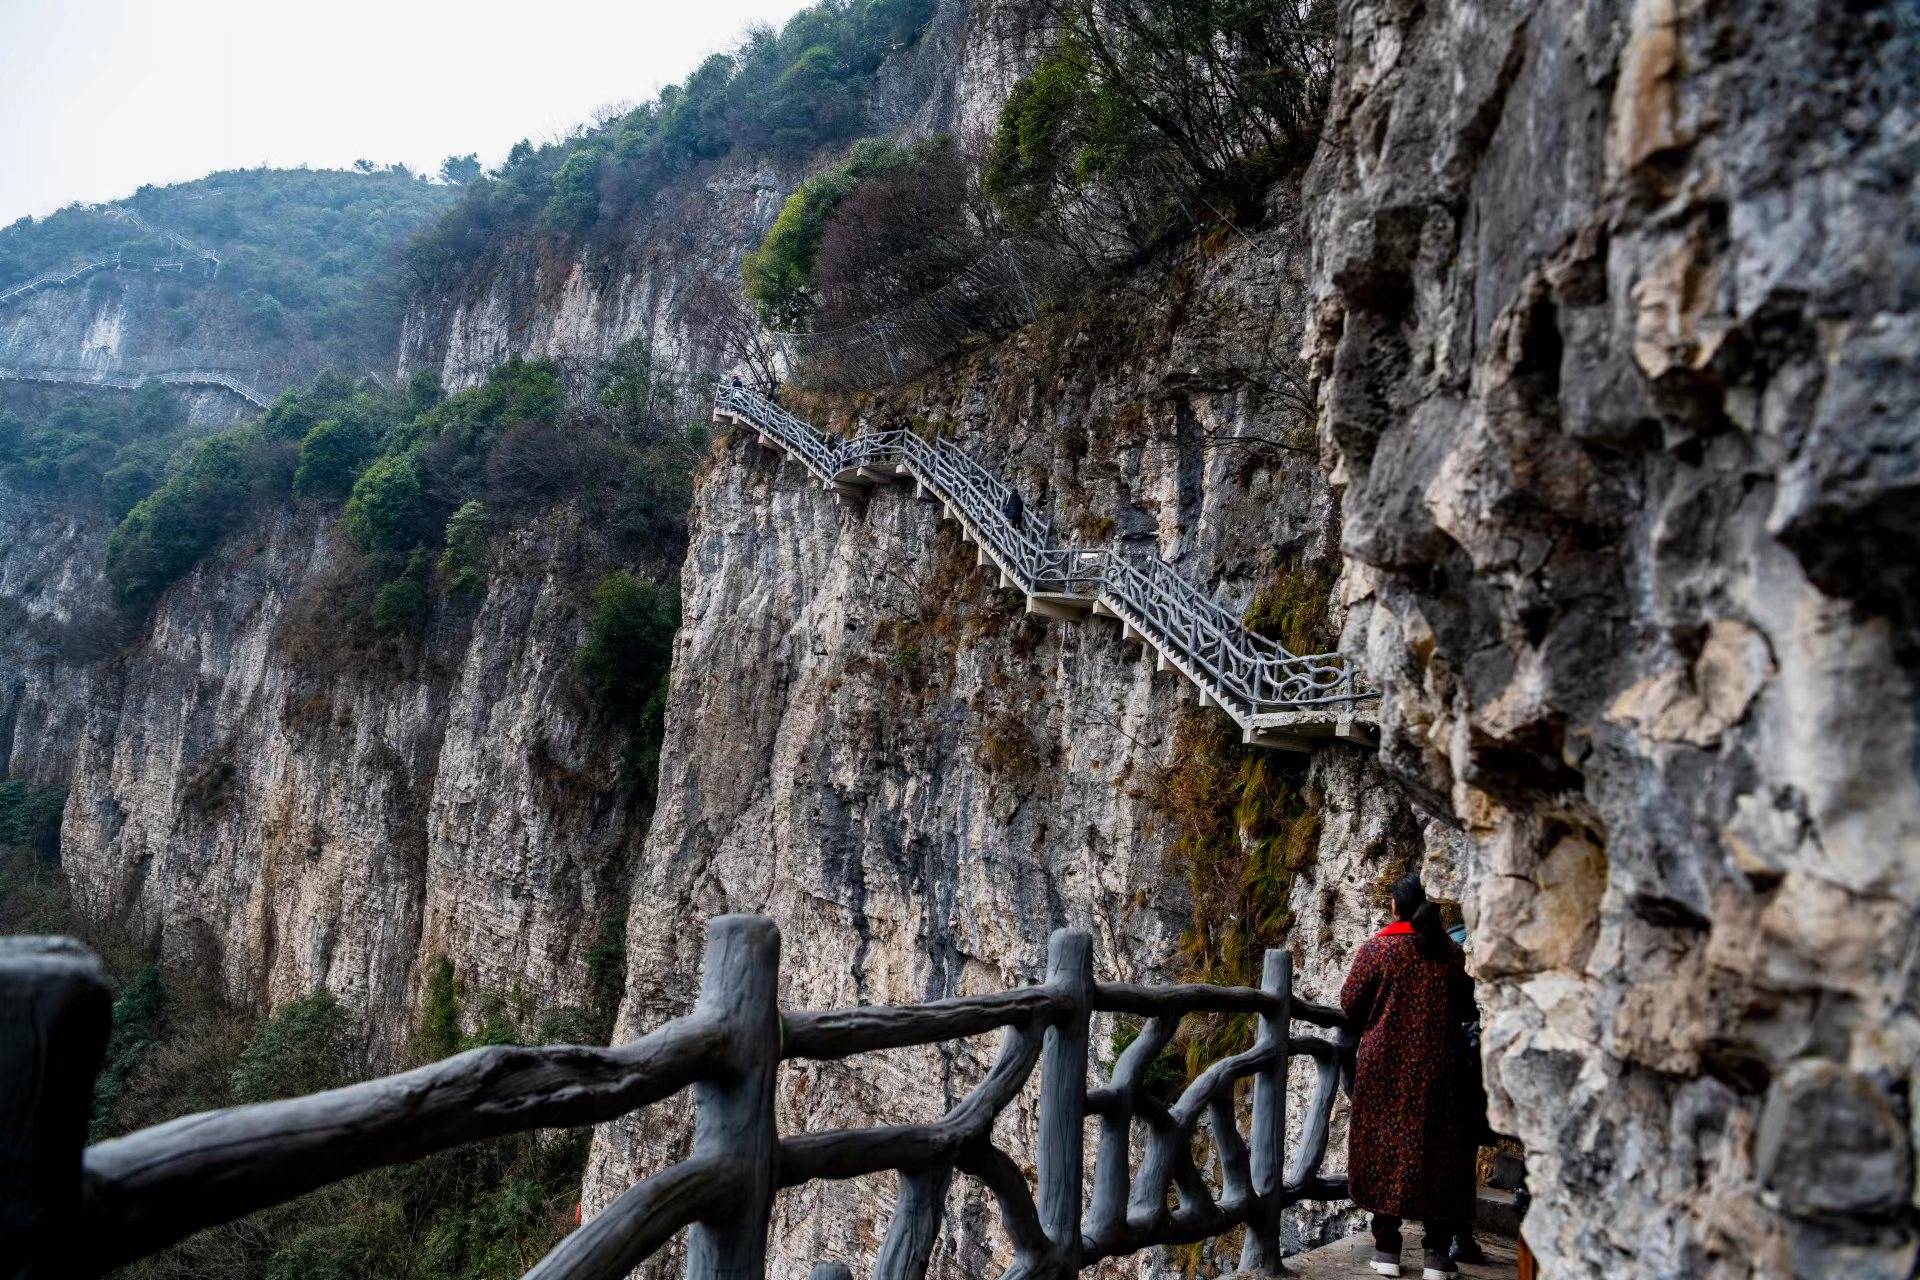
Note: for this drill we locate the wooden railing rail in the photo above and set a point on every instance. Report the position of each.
(65, 1212)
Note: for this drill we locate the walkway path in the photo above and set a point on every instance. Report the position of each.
(1278, 698)
(1347, 1259)
(183, 377)
(114, 262)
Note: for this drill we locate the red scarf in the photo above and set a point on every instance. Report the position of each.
(1398, 929)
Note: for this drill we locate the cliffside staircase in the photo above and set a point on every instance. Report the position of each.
(180, 377)
(1278, 698)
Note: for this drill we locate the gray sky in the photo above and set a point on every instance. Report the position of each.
(100, 96)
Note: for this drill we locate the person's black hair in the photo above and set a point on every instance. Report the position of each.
(1410, 904)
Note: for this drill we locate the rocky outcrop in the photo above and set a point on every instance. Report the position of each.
(1614, 328)
(55, 625)
(669, 277)
(871, 743)
(263, 798)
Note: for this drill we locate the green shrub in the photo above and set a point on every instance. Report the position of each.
(575, 201)
(300, 1049)
(388, 511)
(333, 454)
(624, 664)
(30, 816)
(463, 562)
(780, 274)
(137, 1014)
(167, 532)
(401, 604)
(440, 1034)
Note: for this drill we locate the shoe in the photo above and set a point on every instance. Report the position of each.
(1438, 1267)
(1385, 1264)
(1468, 1250)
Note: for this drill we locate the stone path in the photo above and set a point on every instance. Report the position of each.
(1347, 1259)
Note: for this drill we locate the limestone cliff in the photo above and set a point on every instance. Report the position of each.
(871, 743)
(262, 804)
(1615, 333)
(534, 297)
(54, 626)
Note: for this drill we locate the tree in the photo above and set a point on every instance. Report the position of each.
(780, 274)
(299, 1050)
(460, 170)
(168, 531)
(386, 513)
(463, 558)
(900, 234)
(1148, 113)
(334, 452)
(630, 384)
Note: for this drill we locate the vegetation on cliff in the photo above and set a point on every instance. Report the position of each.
(1243, 823)
(782, 93)
(106, 446)
(308, 259)
(1151, 116)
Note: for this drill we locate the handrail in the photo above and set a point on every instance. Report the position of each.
(187, 377)
(132, 1196)
(59, 279)
(1247, 675)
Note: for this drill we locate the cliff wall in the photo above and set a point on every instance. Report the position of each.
(1614, 331)
(261, 800)
(870, 742)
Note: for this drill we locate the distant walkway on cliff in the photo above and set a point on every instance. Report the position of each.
(1278, 698)
(181, 376)
(207, 259)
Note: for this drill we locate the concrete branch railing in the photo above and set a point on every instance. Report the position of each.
(184, 377)
(69, 1212)
(1278, 698)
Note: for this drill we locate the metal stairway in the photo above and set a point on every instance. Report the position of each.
(1278, 698)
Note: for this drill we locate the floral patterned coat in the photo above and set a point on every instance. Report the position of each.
(1410, 1143)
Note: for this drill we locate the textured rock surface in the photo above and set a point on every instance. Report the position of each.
(870, 742)
(1615, 325)
(288, 822)
(52, 630)
(529, 300)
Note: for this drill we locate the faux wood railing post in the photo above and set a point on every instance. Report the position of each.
(1260, 1253)
(733, 1115)
(1060, 1155)
(56, 1009)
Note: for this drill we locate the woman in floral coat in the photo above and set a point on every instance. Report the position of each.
(1407, 996)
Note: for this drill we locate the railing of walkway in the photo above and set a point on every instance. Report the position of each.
(66, 1213)
(127, 381)
(207, 258)
(1248, 675)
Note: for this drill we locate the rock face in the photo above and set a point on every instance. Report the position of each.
(871, 743)
(286, 815)
(666, 276)
(1615, 330)
(54, 627)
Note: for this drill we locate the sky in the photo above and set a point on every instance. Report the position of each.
(100, 96)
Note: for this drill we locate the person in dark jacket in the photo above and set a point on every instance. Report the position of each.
(1407, 1143)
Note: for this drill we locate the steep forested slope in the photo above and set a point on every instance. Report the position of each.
(307, 274)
